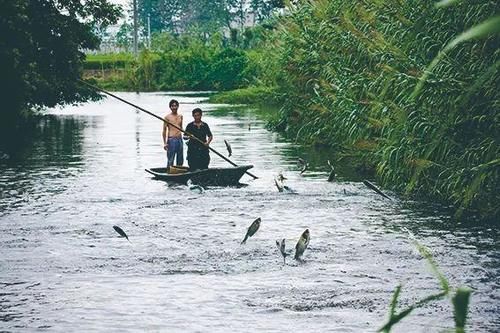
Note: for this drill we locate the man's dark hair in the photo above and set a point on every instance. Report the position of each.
(173, 101)
(197, 110)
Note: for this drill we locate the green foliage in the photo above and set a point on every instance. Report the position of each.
(347, 71)
(460, 308)
(107, 61)
(263, 96)
(41, 51)
(178, 63)
(208, 16)
(227, 69)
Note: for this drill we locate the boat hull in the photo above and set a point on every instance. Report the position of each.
(208, 177)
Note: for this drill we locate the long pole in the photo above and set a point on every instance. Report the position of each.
(165, 121)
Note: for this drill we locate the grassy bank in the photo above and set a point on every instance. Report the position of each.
(348, 72)
(178, 63)
(346, 75)
(254, 95)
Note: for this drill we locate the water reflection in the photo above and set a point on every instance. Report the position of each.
(40, 153)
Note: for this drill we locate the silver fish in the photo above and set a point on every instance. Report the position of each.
(229, 149)
(252, 229)
(303, 164)
(282, 247)
(281, 177)
(120, 232)
(195, 188)
(376, 189)
(304, 168)
(279, 184)
(302, 244)
(332, 175)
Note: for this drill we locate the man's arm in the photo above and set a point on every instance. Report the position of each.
(164, 135)
(210, 135)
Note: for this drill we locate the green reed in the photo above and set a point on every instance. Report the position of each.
(352, 74)
(459, 300)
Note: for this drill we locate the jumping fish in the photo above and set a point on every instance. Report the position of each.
(229, 149)
(301, 163)
(302, 244)
(281, 177)
(279, 181)
(282, 247)
(252, 229)
(279, 184)
(194, 188)
(376, 189)
(332, 175)
(120, 232)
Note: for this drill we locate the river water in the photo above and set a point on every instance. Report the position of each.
(81, 170)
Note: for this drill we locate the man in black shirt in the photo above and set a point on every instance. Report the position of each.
(198, 154)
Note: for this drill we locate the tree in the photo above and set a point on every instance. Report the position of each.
(263, 9)
(124, 36)
(164, 14)
(41, 51)
(176, 16)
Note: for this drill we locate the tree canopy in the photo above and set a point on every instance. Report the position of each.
(41, 50)
(209, 16)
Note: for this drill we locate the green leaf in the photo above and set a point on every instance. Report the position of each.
(484, 29)
(433, 265)
(395, 319)
(446, 3)
(394, 301)
(489, 27)
(461, 307)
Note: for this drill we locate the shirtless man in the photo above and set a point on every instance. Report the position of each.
(172, 137)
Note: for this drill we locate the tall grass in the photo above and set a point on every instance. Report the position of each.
(349, 73)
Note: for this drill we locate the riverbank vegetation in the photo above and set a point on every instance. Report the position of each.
(191, 61)
(356, 75)
(348, 73)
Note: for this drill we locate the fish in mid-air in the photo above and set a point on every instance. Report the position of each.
(195, 188)
(279, 184)
(332, 175)
(302, 164)
(282, 247)
(302, 244)
(279, 181)
(252, 229)
(120, 232)
(229, 149)
(376, 189)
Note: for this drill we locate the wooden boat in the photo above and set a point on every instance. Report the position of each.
(207, 177)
